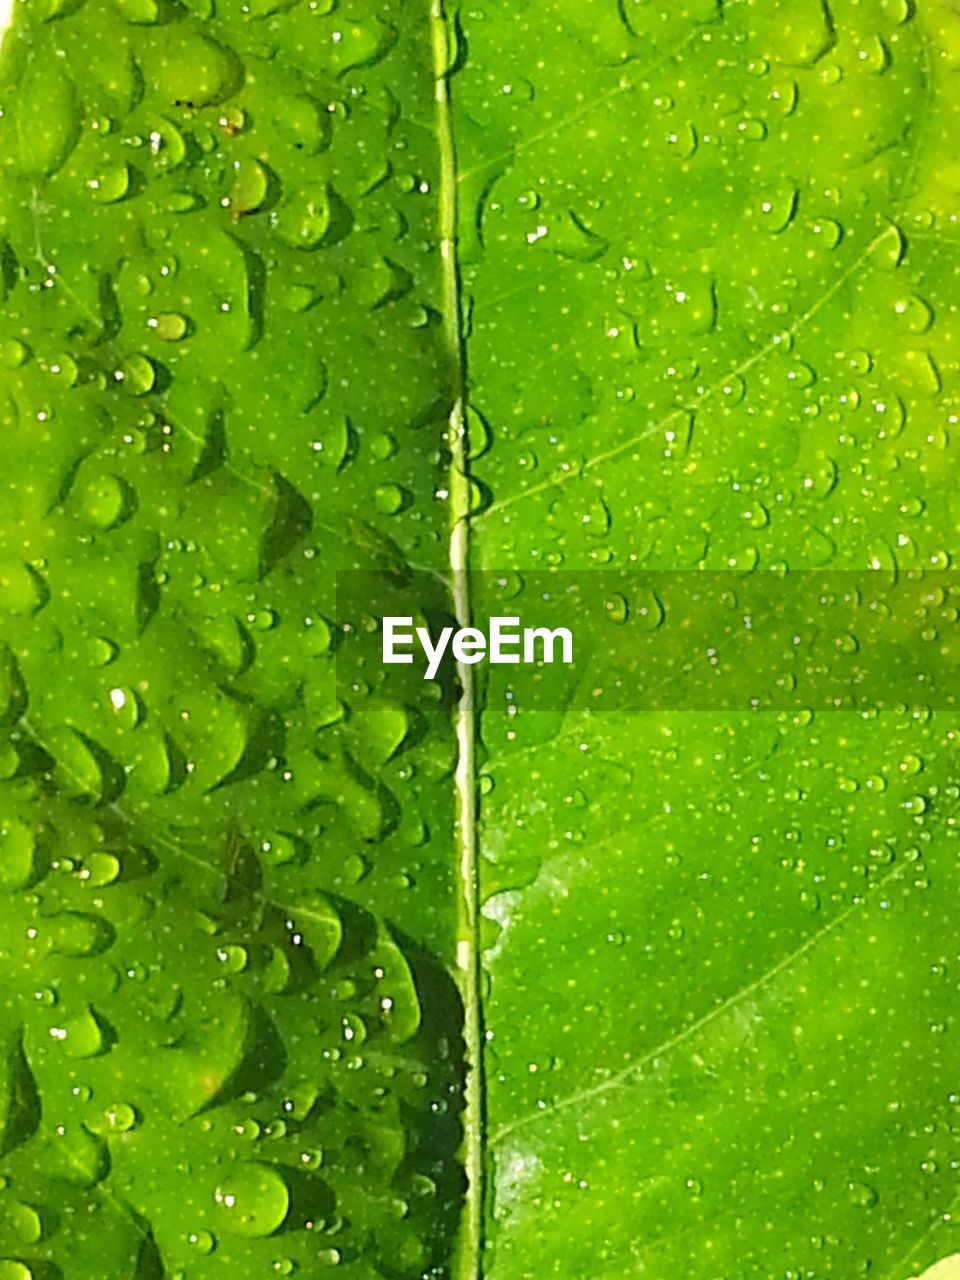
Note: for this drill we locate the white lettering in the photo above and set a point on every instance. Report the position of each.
(500, 637)
(434, 653)
(391, 638)
(469, 645)
(532, 634)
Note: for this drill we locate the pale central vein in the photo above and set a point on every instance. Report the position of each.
(469, 1261)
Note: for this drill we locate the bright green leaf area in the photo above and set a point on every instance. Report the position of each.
(705, 277)
(713, 263)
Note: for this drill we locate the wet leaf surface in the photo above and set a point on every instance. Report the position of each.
(709, 262)
(230, 1037)
(706, 259)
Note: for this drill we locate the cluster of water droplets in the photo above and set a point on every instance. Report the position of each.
(709, 255)
(221, 362)
(191, 1072)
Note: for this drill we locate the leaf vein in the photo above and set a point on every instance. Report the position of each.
(653, 429)
(629, 1074)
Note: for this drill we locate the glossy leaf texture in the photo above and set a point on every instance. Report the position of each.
(703, 301)
(229, 1044)
(710, 259)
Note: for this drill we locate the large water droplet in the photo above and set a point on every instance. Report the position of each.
(253, 1200)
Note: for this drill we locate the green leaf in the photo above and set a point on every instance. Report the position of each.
(711, 296)
(314, 312)
(228, 1031)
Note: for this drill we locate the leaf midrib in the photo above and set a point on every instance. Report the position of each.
(469, 1254)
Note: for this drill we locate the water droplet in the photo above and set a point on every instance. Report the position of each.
(169, 326)
(120, 1117)
(253, 1200)
(233, 958)
(17, 855)
(751, 130)
(278, 850)
(192, 70)
(106, 502)
(81, 1035)
(100, 869)
(26, 1222)
(111, 184)
(203, 1241)
(776, 207)
(305, 223)
(80, 934)
(862, 1195)
(12, 1269)
(302, 123)
(137, 375)
(390, 499)
(251, 182)
(13, 353)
